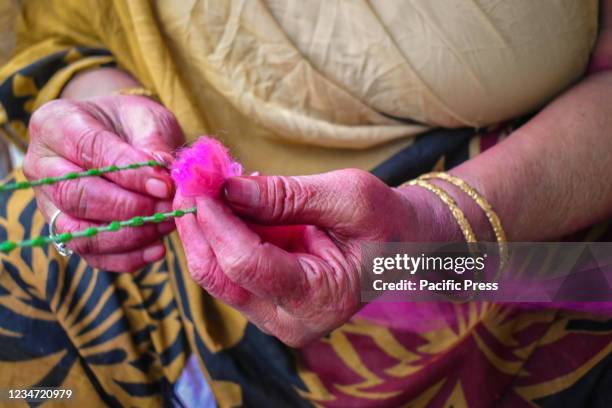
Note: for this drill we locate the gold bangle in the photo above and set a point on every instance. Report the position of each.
(496, 225)
(138, 91)
(458, 215)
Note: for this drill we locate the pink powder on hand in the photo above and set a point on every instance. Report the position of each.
(203, 167)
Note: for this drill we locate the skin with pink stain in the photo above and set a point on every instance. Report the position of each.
(88, 129)
(285, 251)
(550, 178)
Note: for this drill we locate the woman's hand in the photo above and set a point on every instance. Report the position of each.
(296, 282)
(69, 136)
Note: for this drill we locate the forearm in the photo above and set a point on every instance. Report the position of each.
(553, 176)
(98, 82)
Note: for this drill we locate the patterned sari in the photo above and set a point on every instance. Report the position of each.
(125, 339)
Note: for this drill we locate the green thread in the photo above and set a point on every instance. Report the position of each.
(64, 237)
(8, 246)
(90, 232)
(158, 217)
(37, 242)
(22, 185)
(137, 221)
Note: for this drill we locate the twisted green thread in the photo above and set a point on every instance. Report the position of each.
(22, 185)
(8, 246)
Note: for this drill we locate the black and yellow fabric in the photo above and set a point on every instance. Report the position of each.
(32, 85)
(124, 339)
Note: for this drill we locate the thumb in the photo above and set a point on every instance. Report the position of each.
(327, 200)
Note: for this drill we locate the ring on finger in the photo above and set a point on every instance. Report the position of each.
(61, 247)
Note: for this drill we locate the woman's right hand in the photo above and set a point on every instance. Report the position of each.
(71, 136)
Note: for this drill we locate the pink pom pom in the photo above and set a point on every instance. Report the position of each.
(202, 168)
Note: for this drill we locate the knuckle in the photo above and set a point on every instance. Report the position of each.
(90, 146)
(200, 272)
(51, 110)
(79, 245)
(166, 119)
(239, 267)
(126, 206)
(171, 127)
(365, 187)
(93, 261)
(287, 196)
(128, 239)
(163, 123)
(205, 277)
(210, 278)
(85, 246)
(361, 182)
(93, 245)
(71, 197)
(29, 166)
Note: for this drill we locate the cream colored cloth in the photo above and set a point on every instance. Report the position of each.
(295, 86)
(334, 73)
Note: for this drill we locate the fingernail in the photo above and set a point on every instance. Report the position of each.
(157, 188)
(243, 191)
(154, 253)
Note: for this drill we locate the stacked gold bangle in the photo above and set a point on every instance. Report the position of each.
(458, 214)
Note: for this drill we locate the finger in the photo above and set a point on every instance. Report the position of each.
(125, 239)
(129, 261)
(105, 243)
(331, 200)
(94, 198)
(202, 262)
(85, 141)
(151, 128)
(205, 269)
(260, 267)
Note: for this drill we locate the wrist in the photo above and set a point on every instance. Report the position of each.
(433, 220)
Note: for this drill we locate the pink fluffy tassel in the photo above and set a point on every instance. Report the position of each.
(202, 168)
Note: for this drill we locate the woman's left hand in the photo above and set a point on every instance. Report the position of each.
(296, 282)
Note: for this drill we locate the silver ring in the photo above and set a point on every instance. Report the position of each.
(59, 246)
